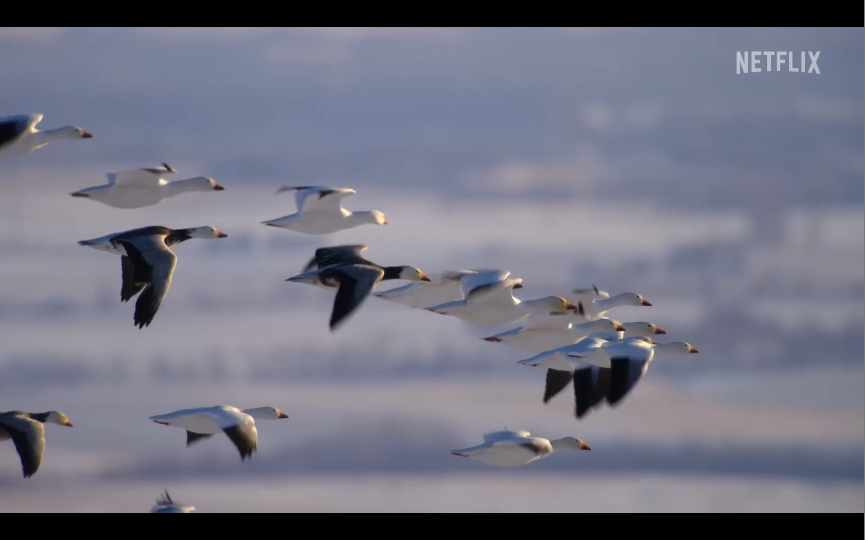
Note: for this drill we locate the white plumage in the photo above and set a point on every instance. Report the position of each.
(19, 136)
(320, 211)
(515, 448)
(138, 188)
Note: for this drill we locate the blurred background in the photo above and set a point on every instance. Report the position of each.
(633, 159)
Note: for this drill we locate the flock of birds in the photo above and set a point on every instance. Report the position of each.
(574, 340)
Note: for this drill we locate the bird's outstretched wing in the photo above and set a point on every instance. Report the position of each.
(14, 127)
(329, 256)
(591, 387)
(29, 438)
(504, 435)
(355, 284)
(146, 177)
(149, 257)
(318, 198)
(238, 426)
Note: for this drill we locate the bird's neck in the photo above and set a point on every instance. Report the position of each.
(41, 417)
(183, 186)
(359, 218)
(535, 306)
(559, 444)
(392, 272)
(599, 326)
(605, 304)
(256, 413)
(176, 236)
(664, 349)
(49, 135)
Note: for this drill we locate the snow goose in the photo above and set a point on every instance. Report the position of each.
(147, 263)
(599, 306)
(28, 434)
(19, 136)
(516, 448)
(423, 294)
(540, 334)
(488, 299)
(601, 370)
(320, 211)
(354, 276)
(205, 422)
(144, 187)
(631, 329)
(164, 505)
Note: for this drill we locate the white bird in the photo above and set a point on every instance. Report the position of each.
(147, 262)
(601, 370)
(354, 276)
(631, 329)
(423, 294)
(488, 299)
(28, 433)
(205, 422)
(19, 136)
(516, 448)
(598, 307)
(164, 505)
(540, 334)
(144, 187)
(320, 211)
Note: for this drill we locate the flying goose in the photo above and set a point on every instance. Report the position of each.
(354, 276)
(516, 448)
(138, 188)
(147, 263)
(595, 308)
(539, 334)
(320, 211)
(28, 433)
(488, 299)
(631, 329)
(601, 370)
(19, 136)
(164, 505)
(599, 306)
(205, 422)
(423, 294)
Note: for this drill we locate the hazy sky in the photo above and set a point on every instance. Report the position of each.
(493, 112)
